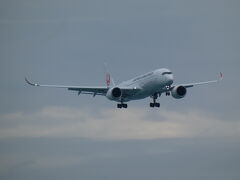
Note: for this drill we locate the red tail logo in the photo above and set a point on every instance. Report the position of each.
(108, 79)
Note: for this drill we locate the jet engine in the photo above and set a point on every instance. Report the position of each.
(114, 93)
(179, 92)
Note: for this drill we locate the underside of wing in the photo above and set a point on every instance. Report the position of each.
(80, 89)
(90, 90)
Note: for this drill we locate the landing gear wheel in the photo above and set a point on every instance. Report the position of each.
(119, 105)
(167, 93)
(122, 105)
(152, 105)
(157, 105)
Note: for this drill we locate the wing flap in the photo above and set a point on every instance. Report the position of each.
(90, 90)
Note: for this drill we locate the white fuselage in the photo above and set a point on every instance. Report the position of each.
(148, 84)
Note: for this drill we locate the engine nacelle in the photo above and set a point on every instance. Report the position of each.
(179, 92)
(114, 93)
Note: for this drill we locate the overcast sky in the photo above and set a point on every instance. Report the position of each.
(55, 134)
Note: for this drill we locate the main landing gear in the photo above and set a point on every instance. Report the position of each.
(122, 105)
(155, 104)
(168, 94)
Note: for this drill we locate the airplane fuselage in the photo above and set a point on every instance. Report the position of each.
(148, 83)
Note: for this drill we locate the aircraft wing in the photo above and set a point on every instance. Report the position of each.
(201, 83)
(80, 89)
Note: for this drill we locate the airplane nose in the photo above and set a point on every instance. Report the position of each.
(170, 78)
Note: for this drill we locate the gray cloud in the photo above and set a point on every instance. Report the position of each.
(113, 124)
(182, 158)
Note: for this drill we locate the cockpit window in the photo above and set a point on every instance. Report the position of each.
(166, 73)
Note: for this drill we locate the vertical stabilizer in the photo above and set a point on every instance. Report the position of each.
(108, 79)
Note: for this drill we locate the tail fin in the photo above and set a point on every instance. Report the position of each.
(108, 77)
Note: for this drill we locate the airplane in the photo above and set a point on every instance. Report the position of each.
(151, 84)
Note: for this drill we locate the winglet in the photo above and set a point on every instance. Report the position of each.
(30, 83)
